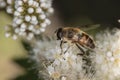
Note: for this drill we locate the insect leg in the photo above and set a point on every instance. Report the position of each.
(66, 49)
(61, 43)
(80, 48)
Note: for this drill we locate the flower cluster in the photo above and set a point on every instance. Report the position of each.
(108, 55)
(68, 66)
(29, 17)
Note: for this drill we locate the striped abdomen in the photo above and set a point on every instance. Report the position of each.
(86, 40)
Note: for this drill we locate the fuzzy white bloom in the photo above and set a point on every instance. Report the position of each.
(119, 20)
(27, 18)
(9, 10)
(103, 63)
(30, 13)
(2, 4)
(30, 10)
(68, 66)
(108, 55)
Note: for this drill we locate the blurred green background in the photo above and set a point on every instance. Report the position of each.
(9, 49)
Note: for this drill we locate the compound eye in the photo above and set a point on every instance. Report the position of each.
(59, 36)
(59, 33)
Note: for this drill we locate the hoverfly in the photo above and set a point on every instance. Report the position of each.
(75, 36)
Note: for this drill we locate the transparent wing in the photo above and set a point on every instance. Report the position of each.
(89, 27)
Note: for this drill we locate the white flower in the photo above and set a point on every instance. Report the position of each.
(108, 55)
(30, 10)
(105, 60)
(42, 16)
(27, 18)
(2, 4)
(7, 35)
(23, 25)
(66, 66)
(14, 37)
(30, 13)
(19, 2)
(9, 1)
(20, 9)
(9, 9)
(18, 21)
(39, 10)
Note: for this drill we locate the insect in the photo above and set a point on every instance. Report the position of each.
(75, 36)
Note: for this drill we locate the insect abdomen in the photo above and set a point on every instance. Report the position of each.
(87, 41)
(90, 43)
